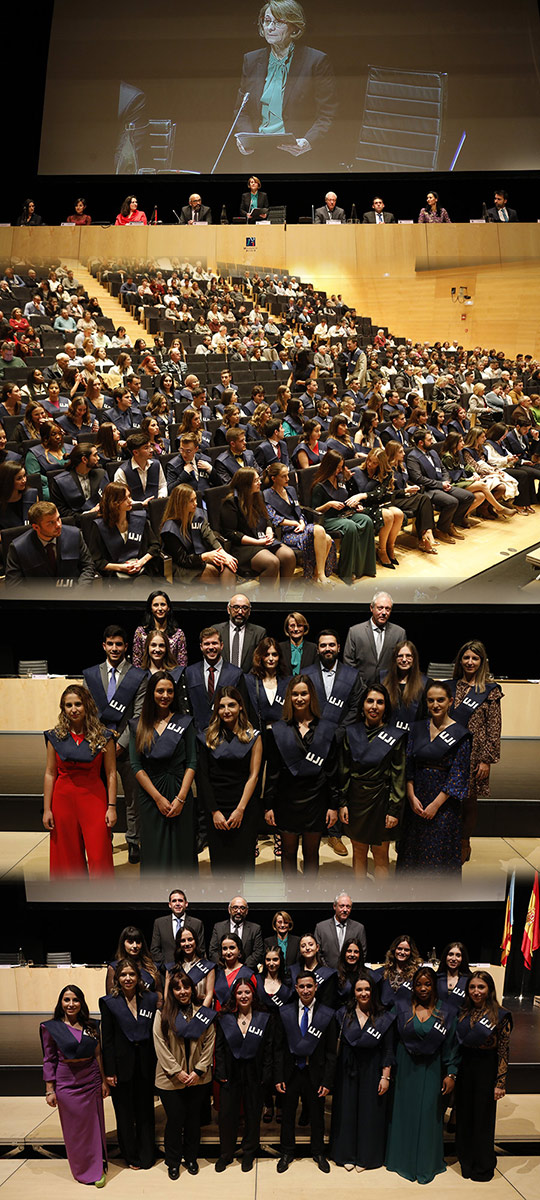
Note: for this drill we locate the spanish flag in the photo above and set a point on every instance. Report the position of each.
(508, 922)
(531, 932)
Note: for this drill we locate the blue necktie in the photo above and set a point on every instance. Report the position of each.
(112, 685)
(304, 1024)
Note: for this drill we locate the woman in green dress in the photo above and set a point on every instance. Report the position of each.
(372, 783)
(343, 514)
(427, 1060)
(163, 760)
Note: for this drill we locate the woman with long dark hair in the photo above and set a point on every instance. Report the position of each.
(375, 485)
(159, 616)
(243, 1069)
(201, 971)
(311, 958)
(132, 945)
(79, 810)
(127, 1018)
(350, 964)
(483, 1034)
(12, 401)
(395, 977)
(121, 540)
(462, 474)
(77, 420)
(406, 685)
(476, 703)
(433, 213)
(75, 1083)
(230, 762)
(408, 497)
(371, 780)
(30, 425)
(342, 513)
(308, 452)
(48, 456)
(267, 683)
(163, 760)
(15, 496)
(187, 537)
(365, 1060)
(130, 213)
(339, 438)
(427, 1060)
(184, 1036)
(231, 968)
(453, 974)
(107, 441)
(246, 523)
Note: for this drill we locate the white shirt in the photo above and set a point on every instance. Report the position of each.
(217, 672)
(301, 1008)
(143, 475)
(329, 679)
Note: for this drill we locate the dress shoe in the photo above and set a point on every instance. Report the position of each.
(174, 1172)
(192, 1167)
(337, 846)
(322, 1163)
(268, 1113)
(284, 1163)
(456, 533)
(247, 1162)
(134, 853)
(445, 537)
(222, 1164)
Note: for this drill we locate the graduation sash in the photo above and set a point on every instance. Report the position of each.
(475, 1036)
(222, 988)
(302, 1046)
(112, 711)
(196, 970)
(135, 1030)
(289, 509)
(335, 493)
(29, 497)
(194, 1027)
(463, 711)
(312, 456)
(404, 715)
(456, 997)
(134, 483)
(192, 540)
(370, 752)
(344, 681)
(321, 973)
(73, 494)
(233, 749)
(431, 464)
(244, 1047)
(368, 1036)
(303, 762)
(273, 999)
(69, 750)
(118, 549)
(387, 993)
(426, 1044)
(164, 746)
(30, 554)
(434, 751)
(266, 712)
(147, 980)
(68, 1045)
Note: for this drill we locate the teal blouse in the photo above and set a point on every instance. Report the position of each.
(272, 96)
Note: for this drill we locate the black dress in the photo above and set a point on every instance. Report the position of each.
(223, 774)
(484, 1063)
(234, 527)
(359, 1114)
(243, 1066)
(301, 776)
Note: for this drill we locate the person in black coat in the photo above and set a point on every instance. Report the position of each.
(163, 944)
(127, 1017)
(243, 1068)
(304, 1067)
(195, 211)
(254, 203)
(48, 551)
(249, 933)
(500, 211)
(283, 938)
(297, 652)
(79, 489)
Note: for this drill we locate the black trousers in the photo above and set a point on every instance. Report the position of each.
(183, 1108)
(231, 1097)
(476, 1110)
(301, 1088)
(134, 1108)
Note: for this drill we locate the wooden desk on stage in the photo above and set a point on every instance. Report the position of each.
(399, 275)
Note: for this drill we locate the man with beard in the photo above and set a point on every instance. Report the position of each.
(240, 636)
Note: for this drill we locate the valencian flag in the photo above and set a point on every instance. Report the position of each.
(531, 932)
(508, 922)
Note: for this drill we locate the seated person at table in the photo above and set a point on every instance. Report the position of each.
(48, 550)
(330, 211)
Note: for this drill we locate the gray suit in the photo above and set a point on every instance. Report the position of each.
(360, 650)
(322, 215)
(252, 637)
(163, 943)
(326, 936)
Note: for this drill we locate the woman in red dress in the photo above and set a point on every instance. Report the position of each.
(130, 213)
(78, 809)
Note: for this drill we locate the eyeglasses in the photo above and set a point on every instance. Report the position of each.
(240, 607)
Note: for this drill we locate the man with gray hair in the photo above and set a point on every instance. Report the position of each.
(333, 933)
(370, 645)
(330, 211)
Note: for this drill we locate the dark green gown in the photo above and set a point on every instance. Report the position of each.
(415, 1137)
(166, 842)
(357, 553)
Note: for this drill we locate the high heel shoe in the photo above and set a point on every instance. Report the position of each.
(389, 565)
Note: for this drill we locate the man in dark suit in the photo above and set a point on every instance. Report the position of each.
(304, 1067)
(500, 210)
(249, 933)
(297, 653)
(118, 689)
(273, 447)
(452, 503)
(48, 551)
(191, 466)
(195, 211)
(378, 216)
(338, 688)
(240, 635)
(163, 944)
(395, 430)
(236, 456)
(330, 211)
(203, 679)
(369, 645)
(78, 489)
(333, 933)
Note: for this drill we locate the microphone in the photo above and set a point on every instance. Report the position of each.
(245, 99)
(175, 214)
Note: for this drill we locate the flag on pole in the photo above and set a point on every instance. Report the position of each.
(531, 932)
(508, 922)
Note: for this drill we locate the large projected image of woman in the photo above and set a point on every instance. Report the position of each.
(287, 92)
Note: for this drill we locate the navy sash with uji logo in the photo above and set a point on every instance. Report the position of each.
(197, 970)
(69, 1045)
(118, 550)
(147, 980)
(475, 1036)
(31, 554)
(300, 760)
(134, 1029)
(429, 1042)
(194, 1027)
(455, 998)
(273, 999)
(321, 973)
(222, 989)
(365, 1037)
(74, 495)
(192, 540)
(69, 750)
(112, 711)
(433, 751)
(233, 749)
(134, 483)
(302, 1045)
(345, 678)
(369, 752)
(248, 1046)
(164, 745)
(463, 711)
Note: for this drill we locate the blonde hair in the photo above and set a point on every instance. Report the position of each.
(94, 731)
(244, 729)
(284, 10)
(176, 508)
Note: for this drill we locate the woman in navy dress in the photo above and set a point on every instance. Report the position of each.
(438, 763)
(365, 1060)
(267, 684)
(308, 452)
(133, 947)
(406, 686)
(453, 974)
(230, 757)
(308, 540)
(16, 498)
(483, 1033)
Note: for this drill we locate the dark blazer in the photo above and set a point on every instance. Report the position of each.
(321, 1065)
(360, 650)
(492, 214)
(204, 214)
(81, 569)
(135, 705)
(293, 947)
(176, 473)
(369, 218)
(325, 934)
(226, 465)
(163, 943)
(309, 655)
(252, 636)
(266, 453)
(98, 479)
(120, 1056)
(328, 711)
(322, 215)
(309, 100)
(262, 202)
(251, 940)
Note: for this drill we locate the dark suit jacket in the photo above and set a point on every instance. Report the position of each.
(293, 947)
(204, 214)
(98, 479)
(360, 650)
(80, 569)
(321, 1065)
(369, 218)
(309, 655)
(493, 215)
(328, 711)
(262, 202)
(322, 215)
(120, 1056)
(200, 704)
(309, 100)
(226, 465)
(251, 940)
(252, 636)
(163, 943)
(325, 934)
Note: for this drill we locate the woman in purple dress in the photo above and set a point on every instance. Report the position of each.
(75, 1084)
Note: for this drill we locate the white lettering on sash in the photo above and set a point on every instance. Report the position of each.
(116, 704)
(385, 737)
(135, 537)
(470, 703)
(374, 1033)
(486, 1022)
(316, 759)
(253, 1029)
(440, 1028)
(335, 700)
(315, 1032)
(446, 737)
(202, 1017)
(176, 728)
(145, 1012)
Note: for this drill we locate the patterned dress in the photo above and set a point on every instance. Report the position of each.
(435, 845)
(177, 642)
(485, 727)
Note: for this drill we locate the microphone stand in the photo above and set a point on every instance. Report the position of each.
(235, 122)
(175, 214)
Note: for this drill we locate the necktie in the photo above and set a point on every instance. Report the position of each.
(211, 683)
(304, 1023)
(235, 653)
(51, 558)
(340, 934)
(112, 684)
